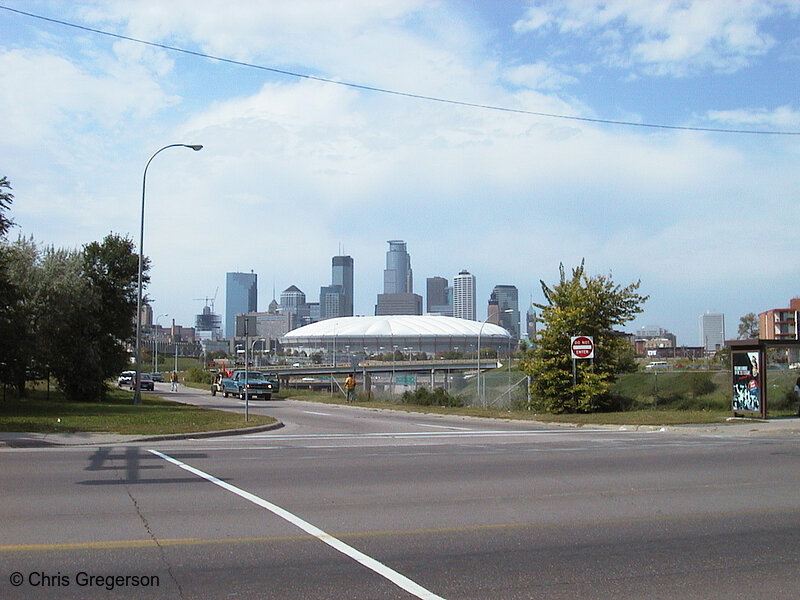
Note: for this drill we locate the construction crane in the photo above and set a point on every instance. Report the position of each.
(209, 301)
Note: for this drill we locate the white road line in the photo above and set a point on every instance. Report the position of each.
(396, 578)
(322, 414)
(444, 427)
(431, 434)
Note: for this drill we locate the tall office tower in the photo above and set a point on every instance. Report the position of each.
(398, 297)
(397, 277)
(293, 303)
(530, 322)
(331, 302)
(464, 296)
(241, 296)
(436, 294)
(712, 331)
(507, 298)
(342, 275)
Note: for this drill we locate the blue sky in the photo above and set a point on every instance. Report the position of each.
(293, 169)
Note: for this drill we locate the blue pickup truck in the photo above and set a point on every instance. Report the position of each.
(257, 386)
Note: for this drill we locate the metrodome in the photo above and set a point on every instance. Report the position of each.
(409, 333)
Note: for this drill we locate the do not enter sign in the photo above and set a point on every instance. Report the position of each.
(582, 346)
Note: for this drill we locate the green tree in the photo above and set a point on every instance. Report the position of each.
(8, 293)
(581, 305)
(6, 198)
(74, 313)
(748, 327)
(18, 340)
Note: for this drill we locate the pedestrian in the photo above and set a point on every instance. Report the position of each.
(797, 393)
(174, 380)
(350, 387)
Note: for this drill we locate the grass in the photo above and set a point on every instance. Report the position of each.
(155, 416)
(634, 417)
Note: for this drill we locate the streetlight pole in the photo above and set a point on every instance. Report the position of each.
(481, 391)
(137, 393)
(155, 343)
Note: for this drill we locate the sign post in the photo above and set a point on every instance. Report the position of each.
(581, 347)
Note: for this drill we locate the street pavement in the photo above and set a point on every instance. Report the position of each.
(344, 501)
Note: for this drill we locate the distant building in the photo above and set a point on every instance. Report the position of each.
(271, 327)
(530, 322)
(293, 303)
(780, 323)
(398, 297)
(712, 331)
(336, 300)
(147, 315)
(241, 296)
(208, 325)
(398, 304)
(439, 297)
(433, 335)
(654, 332)
(398, 277)
(342, 275)
(507, 299)
(464, 296)
(331, 302)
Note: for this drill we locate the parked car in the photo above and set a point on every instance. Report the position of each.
(145, 382)
(157, 376)
(125, 378)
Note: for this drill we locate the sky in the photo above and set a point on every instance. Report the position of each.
(299, 165)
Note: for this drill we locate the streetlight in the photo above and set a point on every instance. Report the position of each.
(482, 392)
(155, 343)
(137, 393)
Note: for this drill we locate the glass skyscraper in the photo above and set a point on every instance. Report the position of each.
(241, 296)
(398, 297)
(507, 298)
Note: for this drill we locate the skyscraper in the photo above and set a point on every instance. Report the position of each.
(293, 303)
(712, 331)
(336, 300)
(241, 296)
(507, 298)
(397, 277)
(464, 296)
(398, 297)
(436, 294)
(342, 275)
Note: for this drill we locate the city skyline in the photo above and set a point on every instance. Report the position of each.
(505, 295)
(508, 138)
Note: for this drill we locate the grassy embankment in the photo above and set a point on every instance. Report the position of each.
(649, 398)
(155, 416)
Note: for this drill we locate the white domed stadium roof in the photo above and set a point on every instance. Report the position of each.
(398, 326)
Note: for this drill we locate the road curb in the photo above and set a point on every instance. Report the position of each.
(34, 441)
(210, 434)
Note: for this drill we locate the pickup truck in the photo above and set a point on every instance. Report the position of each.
(258, 386)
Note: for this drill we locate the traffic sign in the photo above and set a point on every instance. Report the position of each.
(582, 346)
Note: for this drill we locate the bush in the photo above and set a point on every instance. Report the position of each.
(438, 397)
(197, 374)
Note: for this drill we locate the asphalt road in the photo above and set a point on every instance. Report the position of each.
(345, 502)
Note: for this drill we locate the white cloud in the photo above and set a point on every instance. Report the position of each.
(539, 76)
(665, 37)
(783, 117)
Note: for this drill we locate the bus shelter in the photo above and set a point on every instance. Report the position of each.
(750, 374)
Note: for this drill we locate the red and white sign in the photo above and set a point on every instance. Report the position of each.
(582, 346)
